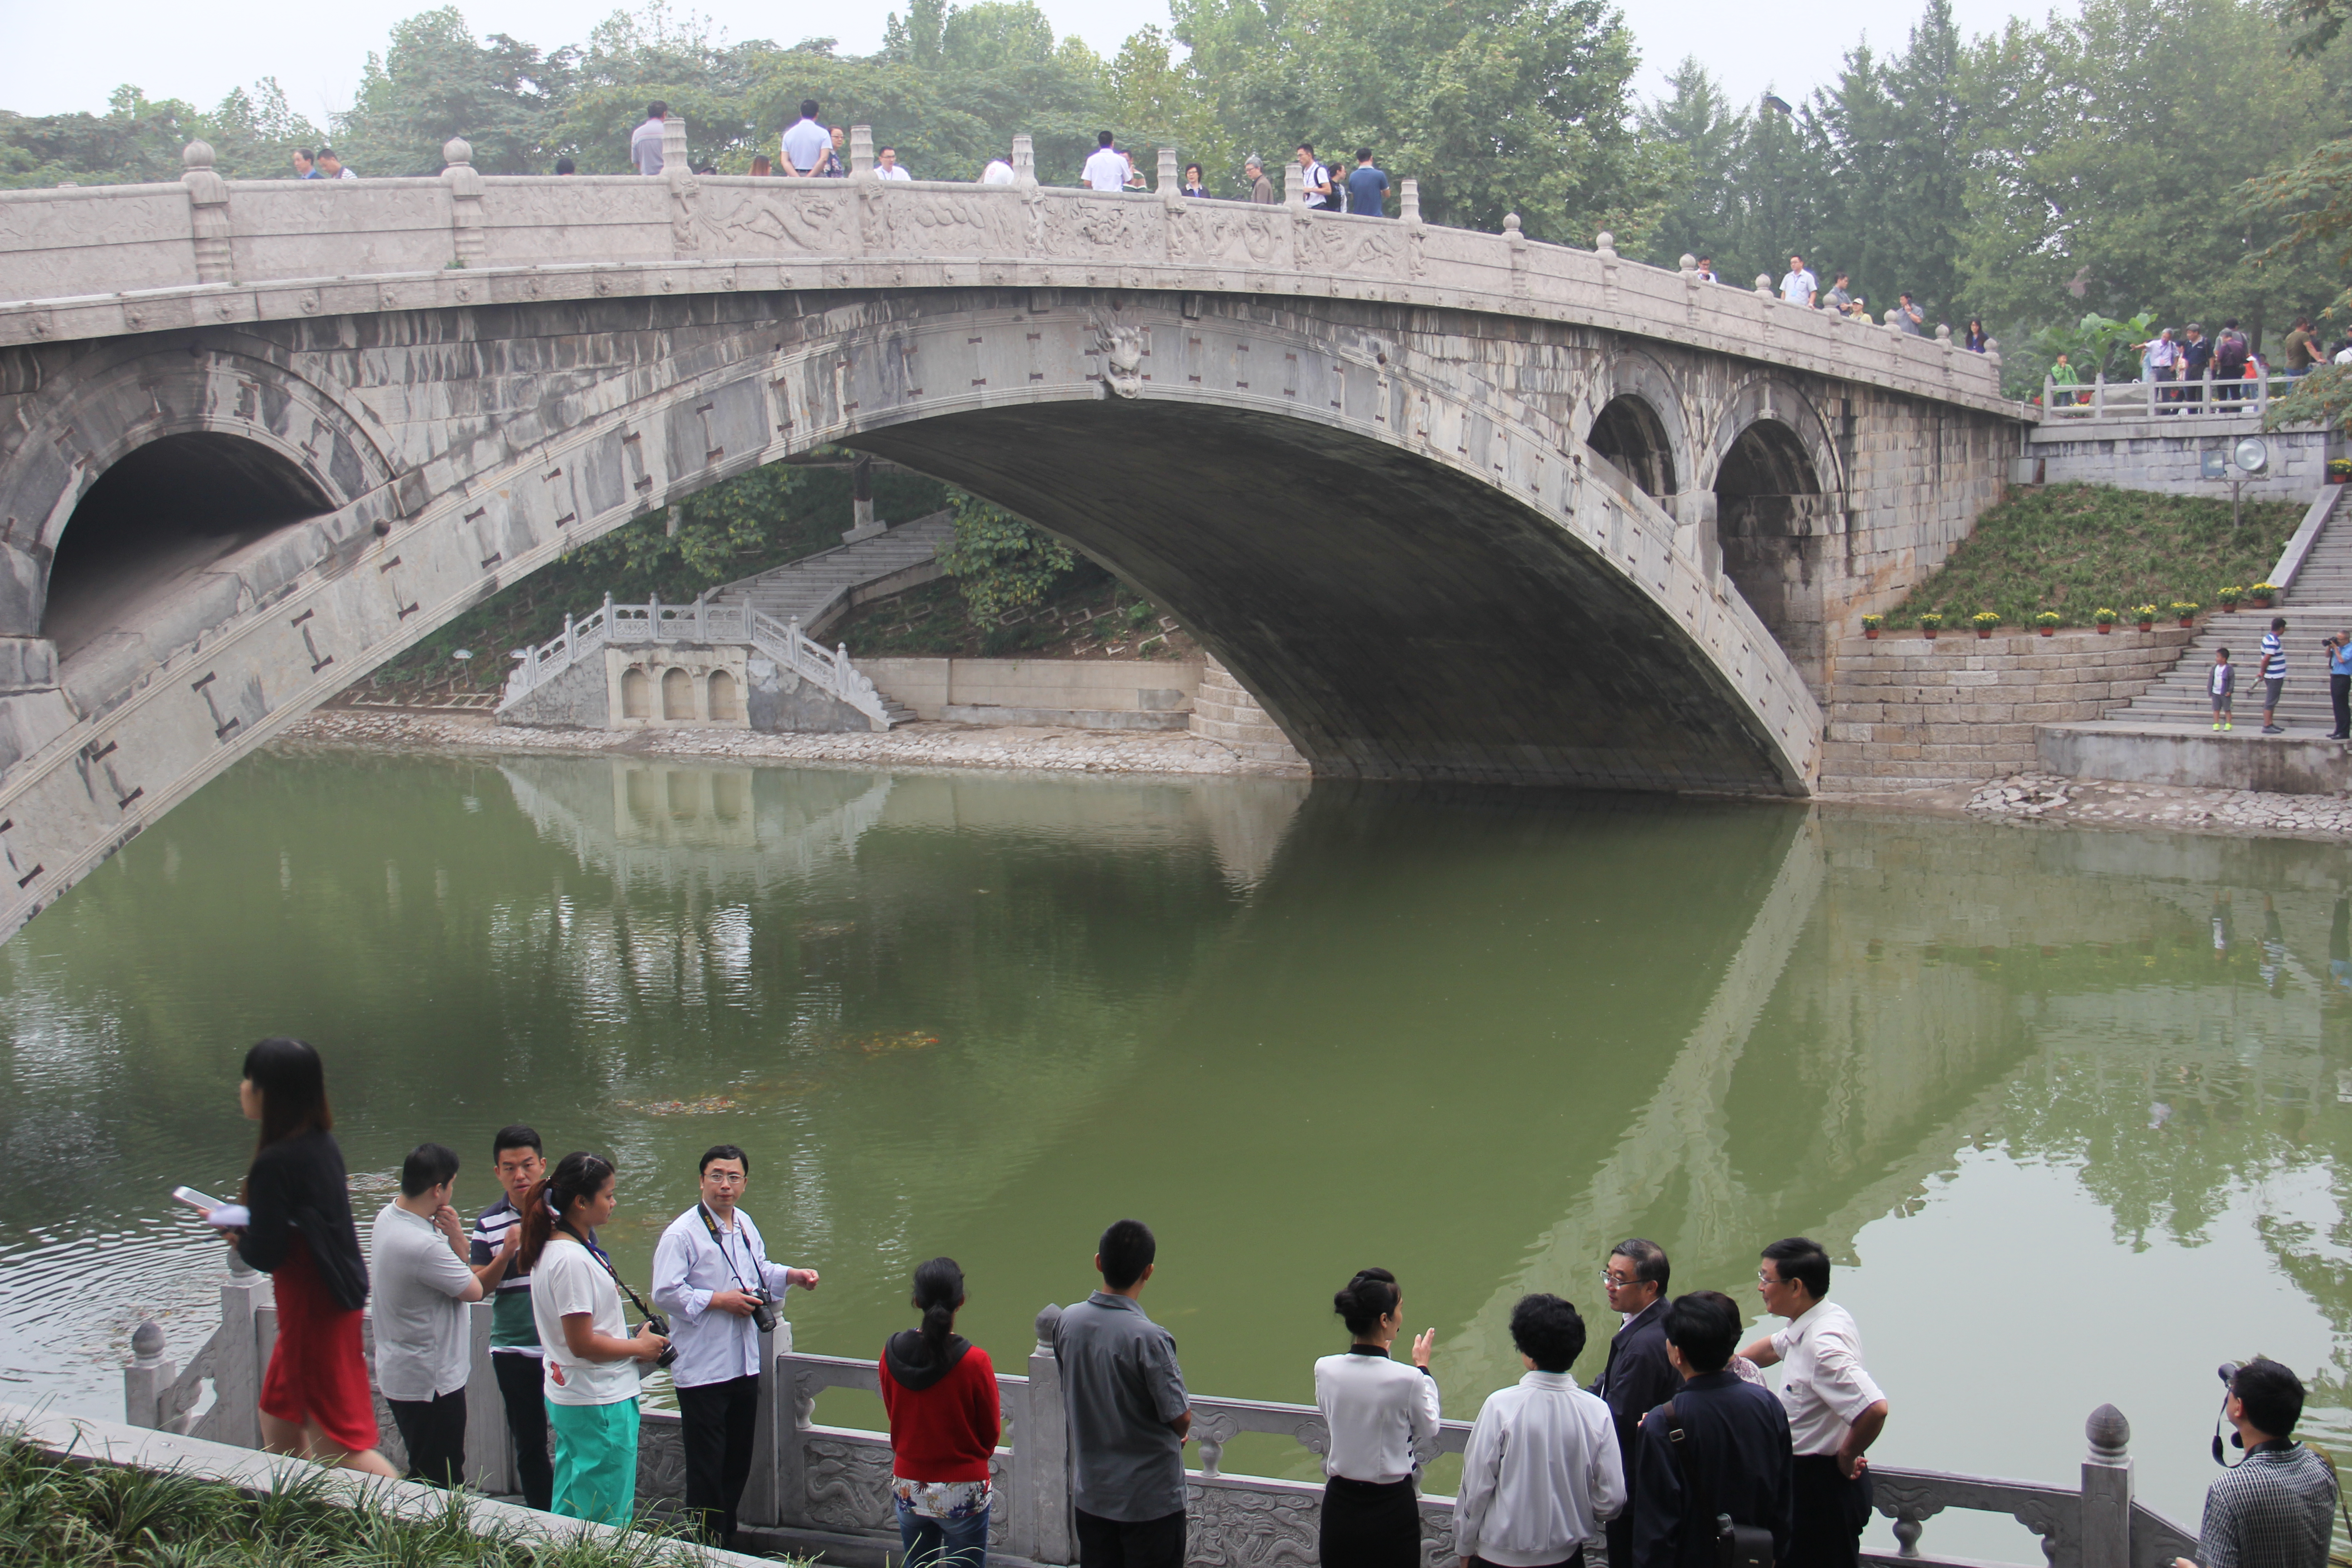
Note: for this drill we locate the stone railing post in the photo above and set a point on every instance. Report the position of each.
(1409, 201)
(146, 1376)
(1604, 246)
(675, 161)
(2108, 1490)
(1764, 286)
(207, 213)
(244, 1354)
(465, 182)
(758, 1505)
(2098, 385)
(1024, 161)
(1514, 238)
(1171, 179)
(490, 1448)
(1689, 267)
(861, 151)
(1294, 185)
(1043, 1445)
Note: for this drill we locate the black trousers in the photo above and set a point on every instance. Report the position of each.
(433, 1433)
(1831, 1511)
(522, 1388)
(717, 1421)
(1370, 1524)
(2339, 692)
(1573, 1560)
(1118, 1543)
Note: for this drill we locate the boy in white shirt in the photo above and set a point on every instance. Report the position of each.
(2220, 683)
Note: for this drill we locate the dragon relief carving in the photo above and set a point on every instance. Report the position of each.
(1250, 238)
(849, 1486)
(1122, 351)
(759, 220)
(1230, 1527)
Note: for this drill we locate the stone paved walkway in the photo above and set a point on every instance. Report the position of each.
(910, 745)
(2046, 797)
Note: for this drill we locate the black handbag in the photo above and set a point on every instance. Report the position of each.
(1736, 1545)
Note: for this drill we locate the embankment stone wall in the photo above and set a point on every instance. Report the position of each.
(1908, 713)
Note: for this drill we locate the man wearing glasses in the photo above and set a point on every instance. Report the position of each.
(1835, 1411)
(711, 1274)
(1638, 1375)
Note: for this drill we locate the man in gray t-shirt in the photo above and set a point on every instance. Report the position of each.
(1128, 1415)
(646, 141)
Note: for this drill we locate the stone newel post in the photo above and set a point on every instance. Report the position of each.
(1408, 200)
(1024, 161)
(1171, 179)
(1044, 1444)
(2108, 1490)
(207, 213)
(146, 1376)
(1294, 185)
(861, 151)
(675, 161)
(465, 185)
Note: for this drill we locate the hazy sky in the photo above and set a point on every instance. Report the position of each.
(172, 49)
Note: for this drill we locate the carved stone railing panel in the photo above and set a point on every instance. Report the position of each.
(1911, 1498)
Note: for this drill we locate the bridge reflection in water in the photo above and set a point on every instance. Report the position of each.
(2066, 1148)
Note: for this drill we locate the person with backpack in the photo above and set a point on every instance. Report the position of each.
(1719, 1447)
(1320, 198)
(2231, 357)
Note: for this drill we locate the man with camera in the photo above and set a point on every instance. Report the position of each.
(1717, 1452)
(711, 1274)
(2276, 1508)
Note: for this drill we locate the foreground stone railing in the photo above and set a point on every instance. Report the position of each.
(828, 1487)
(96, 261)
(829, 670)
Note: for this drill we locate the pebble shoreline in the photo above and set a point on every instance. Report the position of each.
(1040, 750)
(2019, 797)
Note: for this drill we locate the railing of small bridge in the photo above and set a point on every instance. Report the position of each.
(829, 1485)
(2208, 398)
(830, 669)
(207, 251)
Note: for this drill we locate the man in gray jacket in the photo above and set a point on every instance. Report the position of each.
(1128, 1413)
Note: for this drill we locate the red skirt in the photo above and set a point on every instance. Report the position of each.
(317, 1371)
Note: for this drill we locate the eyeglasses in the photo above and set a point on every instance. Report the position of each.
(1764, 1279)
(1619, 1280)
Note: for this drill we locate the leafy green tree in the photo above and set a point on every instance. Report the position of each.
(136, 140)
(1000, 563)
(435, 82)
(1695, 126)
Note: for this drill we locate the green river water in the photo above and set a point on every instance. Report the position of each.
(2070, 1108)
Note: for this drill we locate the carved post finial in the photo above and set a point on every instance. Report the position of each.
(147, 1342)
(1408, 200)
(861, 151)
(1764, 286)
(1689, 263)
(2109, 1432)
(1048, 1319)
(207, 212)
(1605, 243)
(1294, 185)
(1511, 223)
(1943, 334)
(197, 155)
(1171, 180)
(1992, 350)
(1025, 160)
(674, 158)
(457, 153)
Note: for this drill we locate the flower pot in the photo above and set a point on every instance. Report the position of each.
(1869, 632)
(2106, 626)
(2262, 603)
(2188, 620)
(2147, 625)
(2047, 630)
(1927, 632)
(1983, 632)
(2229, 609)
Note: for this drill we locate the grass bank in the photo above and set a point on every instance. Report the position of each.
(2075, 549)
(57, 1515)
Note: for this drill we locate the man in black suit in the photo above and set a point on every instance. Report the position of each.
(1638, 1375)
(1719, 1447)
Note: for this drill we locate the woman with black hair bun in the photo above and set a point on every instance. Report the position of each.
(1377, 1414)
(939, 1390)
(315, 1398)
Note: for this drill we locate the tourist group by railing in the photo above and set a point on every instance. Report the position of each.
(701, 622)
(501, 1356)
(2209, 397)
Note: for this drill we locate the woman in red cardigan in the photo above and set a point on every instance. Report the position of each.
(941, 1392)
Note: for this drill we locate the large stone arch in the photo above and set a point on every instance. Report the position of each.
(1777, 485)
(1654, 396)
(1408, 565)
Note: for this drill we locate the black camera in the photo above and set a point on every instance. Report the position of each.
(660, 1325)
(763, 1313)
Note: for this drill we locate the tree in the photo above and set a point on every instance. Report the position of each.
(435, 82)
(1000, 562)
(1697, 126)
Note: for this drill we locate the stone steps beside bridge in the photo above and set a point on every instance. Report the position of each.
(816, 589)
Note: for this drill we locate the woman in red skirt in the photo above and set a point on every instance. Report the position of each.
(315, 1398)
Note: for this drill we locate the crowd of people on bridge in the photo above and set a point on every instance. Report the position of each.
(1679, 1455)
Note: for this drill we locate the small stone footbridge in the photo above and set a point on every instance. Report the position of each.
(1451, 505)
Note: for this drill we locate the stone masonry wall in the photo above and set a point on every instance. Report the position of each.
(2160, 454)
(1907, 713)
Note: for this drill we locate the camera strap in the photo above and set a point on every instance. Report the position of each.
(598, 1253)
(719, 1239)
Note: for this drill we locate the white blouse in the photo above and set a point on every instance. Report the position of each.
(1376, 1410)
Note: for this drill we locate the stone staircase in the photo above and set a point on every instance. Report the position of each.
(2317, 603)
(817, 589)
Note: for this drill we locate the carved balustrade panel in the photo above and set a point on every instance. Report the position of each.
(849, 1484)
(661, 1457)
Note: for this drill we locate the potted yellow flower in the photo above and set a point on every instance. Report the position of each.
(1984, 621)
(2105, 619)
(1929, 625)
(2048, 621)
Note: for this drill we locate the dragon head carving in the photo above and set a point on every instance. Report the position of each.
(1122, 351)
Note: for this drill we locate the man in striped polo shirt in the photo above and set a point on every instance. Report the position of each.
(514, 1337)
(2273, 675)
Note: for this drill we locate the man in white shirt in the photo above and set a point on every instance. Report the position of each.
(805, 143)
(998, 172)
(646, 141)
(1800, 285)
(1541, 1474)
(422, 1283)
(887, 168)
(1835, 1411)
(1706, 271)
(711, 1275)
(1107, 167)
(330, 167)
(1317, 180)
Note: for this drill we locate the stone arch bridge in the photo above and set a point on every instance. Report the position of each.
(1453, 505)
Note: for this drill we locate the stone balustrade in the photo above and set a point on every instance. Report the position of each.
(98, 262)
(822, 1488)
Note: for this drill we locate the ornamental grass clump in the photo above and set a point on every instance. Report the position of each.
(56, 1515)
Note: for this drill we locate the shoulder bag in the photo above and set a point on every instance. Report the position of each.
(1736, 1545)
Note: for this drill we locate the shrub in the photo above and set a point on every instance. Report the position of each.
(1001, 563)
